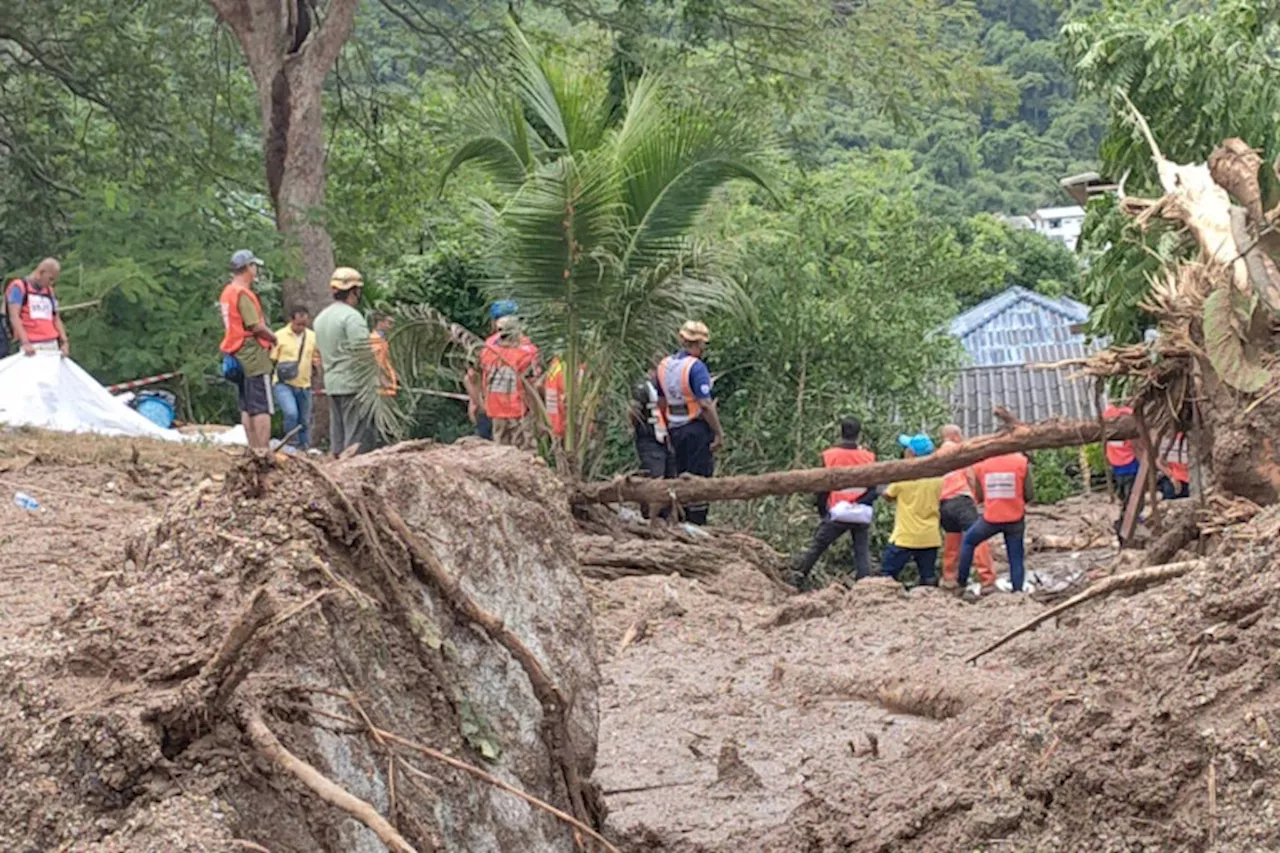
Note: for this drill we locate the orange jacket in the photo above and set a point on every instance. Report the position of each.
(229, 303)
(1119, 453)
(390, 385)
(954, 483)
(1003, 480)
(501, 371)
(846, 457)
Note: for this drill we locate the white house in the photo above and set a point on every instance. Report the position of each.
(1060, 223)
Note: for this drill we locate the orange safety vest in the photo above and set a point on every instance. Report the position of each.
(555, 395)
(1119, 453)
(229, 303)
(1175, 459)
(390, 385)
(501, 371)
(846, 457)
(1003, 481)
(677, 390)
(955, 483)
(39, 311)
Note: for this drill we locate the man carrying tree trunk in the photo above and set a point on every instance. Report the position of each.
(1004, 486)
(693, 424)
(958, 513)
(847, 511)
(915, 523)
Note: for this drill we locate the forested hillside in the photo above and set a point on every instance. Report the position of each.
(131, 146)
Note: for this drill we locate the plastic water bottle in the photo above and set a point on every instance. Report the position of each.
(24, 501)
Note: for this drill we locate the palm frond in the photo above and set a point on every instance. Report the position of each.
(501, 140)
(573, 107)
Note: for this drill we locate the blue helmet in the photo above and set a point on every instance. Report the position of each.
(503, 308)
(919, 444)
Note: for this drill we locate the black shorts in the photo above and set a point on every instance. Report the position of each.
(958, 514)
(254, 395)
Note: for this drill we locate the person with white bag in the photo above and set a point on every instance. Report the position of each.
(846, 511)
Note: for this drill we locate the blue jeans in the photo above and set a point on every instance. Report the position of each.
(295, 405)
(980, 532)
(895, 559)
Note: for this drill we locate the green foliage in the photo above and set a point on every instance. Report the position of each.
(1199, 72)
(1228, 315)
(1055, 474)
(150, 263)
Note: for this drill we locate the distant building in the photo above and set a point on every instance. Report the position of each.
(1023, 223)
(1060, 223)
(1002, 337)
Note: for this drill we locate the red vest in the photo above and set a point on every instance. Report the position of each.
(229, 303)
(1175, 459)
(1119, 453)
(39, 312)
(846, 457)
(1002, 479)
(501, 371)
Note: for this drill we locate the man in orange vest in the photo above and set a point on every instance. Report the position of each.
(1175, 472)
(692, 421)
(1004, 486)
(507, 360)
(32, 310)
(958, 512)
(554, 396)
(846, 511)
(246, 349)
(1122, 456)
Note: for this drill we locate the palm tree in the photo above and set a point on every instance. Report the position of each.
(593, 237)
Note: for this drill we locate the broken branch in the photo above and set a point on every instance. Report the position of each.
(1128, 580)
(265, 741)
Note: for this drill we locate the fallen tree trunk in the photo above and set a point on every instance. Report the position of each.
(1023, 437)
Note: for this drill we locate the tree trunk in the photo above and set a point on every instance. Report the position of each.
(1023, 437)
(290, 46)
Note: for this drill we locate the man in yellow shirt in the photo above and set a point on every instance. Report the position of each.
(916, 533)
(294, 355)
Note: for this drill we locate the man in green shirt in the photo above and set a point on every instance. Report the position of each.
(340, 331)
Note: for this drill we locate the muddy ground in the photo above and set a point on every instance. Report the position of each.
(738, 717)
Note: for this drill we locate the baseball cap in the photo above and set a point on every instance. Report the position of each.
(243, 258)
(503, 308)
(919, 444)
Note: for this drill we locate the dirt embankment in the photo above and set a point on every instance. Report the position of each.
(144, 711)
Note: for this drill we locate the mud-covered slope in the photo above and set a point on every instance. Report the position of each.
(125, 722)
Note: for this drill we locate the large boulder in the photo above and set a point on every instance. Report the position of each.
(130, 731)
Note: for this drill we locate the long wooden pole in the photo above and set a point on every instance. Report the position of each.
(1022, 437)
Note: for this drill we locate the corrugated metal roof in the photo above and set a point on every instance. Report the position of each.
(1030, 395)
(1068, 212)
(1020, 326)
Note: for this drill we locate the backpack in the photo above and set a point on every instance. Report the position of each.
(7, 332)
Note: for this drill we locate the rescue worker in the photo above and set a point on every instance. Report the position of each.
(507, 362)
(915, 534)
(958, 512)
(32, 310)
(649, 425)
(692, 422)
(246, 349)
(845, 511)
(1004, 486)
(389, 383)
(1175, 472)
(341, 331)
(475, 406)
(554, 397)
(1122, 456)
(295, 355)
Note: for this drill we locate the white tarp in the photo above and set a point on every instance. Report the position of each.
(52, 392)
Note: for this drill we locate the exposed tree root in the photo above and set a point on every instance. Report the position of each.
(1129, 580)
(555, 706)
(265, 741)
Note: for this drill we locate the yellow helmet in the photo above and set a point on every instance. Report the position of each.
(345, 278)
(694, 331)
